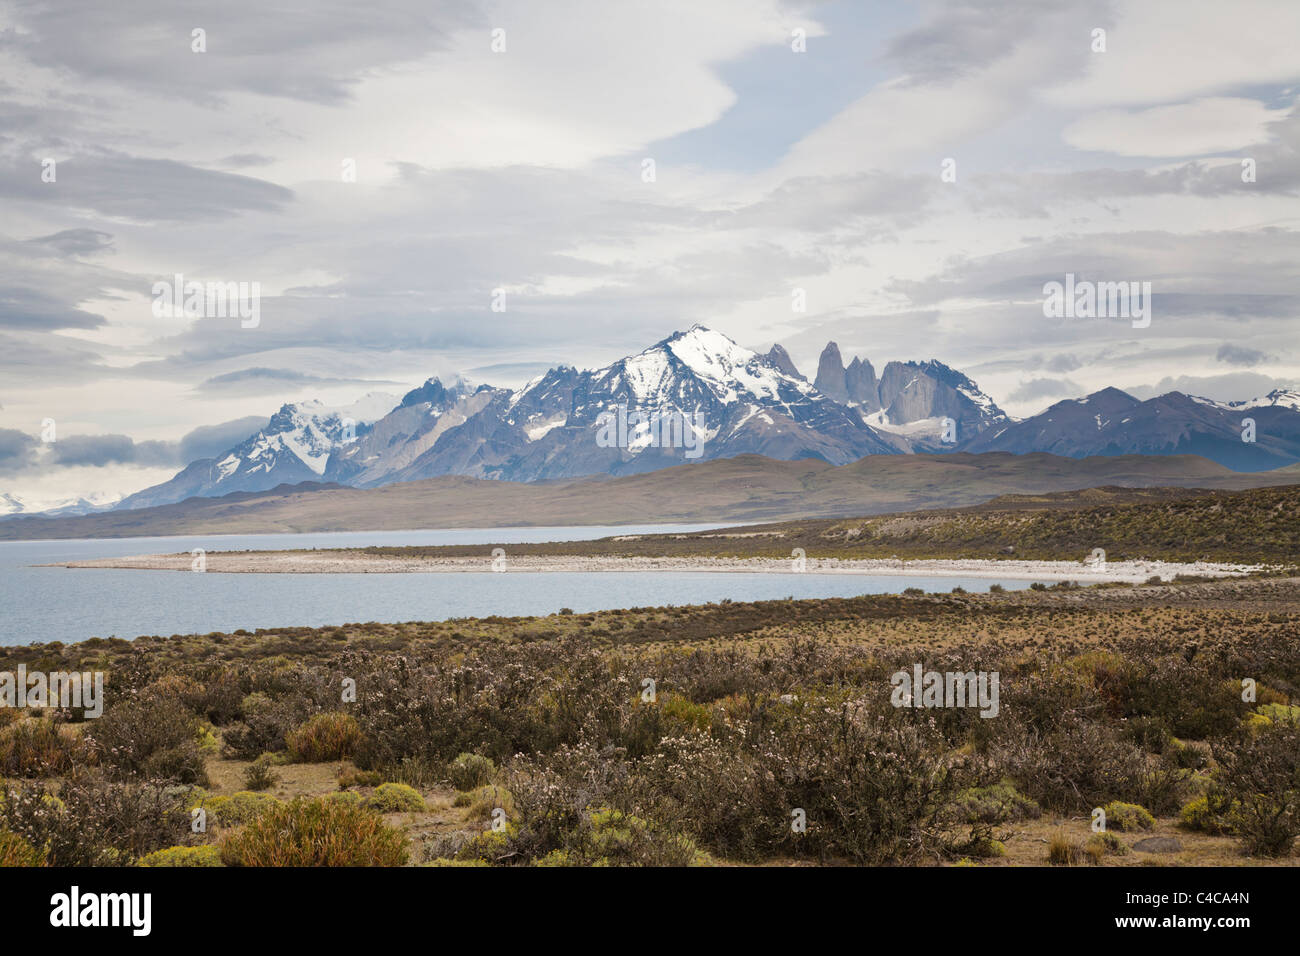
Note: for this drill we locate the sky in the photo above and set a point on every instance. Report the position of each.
(388, 172)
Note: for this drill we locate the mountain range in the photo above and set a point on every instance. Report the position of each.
(733, 400)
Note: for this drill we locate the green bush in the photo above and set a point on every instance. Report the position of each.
(1201, 816)
(470, 771)
(315, 833)
(258, 775)
(329, 736)
(237, 809)
(15, 851)
(396, 798)
(182, 856)
(35, 748)
(1000, 803)
(1101, 845)
(1127, 817)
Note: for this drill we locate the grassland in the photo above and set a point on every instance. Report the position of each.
(1116, 693)
(695, 735)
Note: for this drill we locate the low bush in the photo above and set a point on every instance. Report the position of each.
(95, 821)
(258, 775)
(15, 851)
(1203, 817)
(1127, 817)
(182, 856)
(470, 771)
(999, 803)
(1258, 785)
(396, 798)
(315, 833)
(151, 738)
(35, 747)
(329, 736)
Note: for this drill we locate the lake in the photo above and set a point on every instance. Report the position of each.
(73, 604)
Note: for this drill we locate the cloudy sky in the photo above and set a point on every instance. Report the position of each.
(523, 169)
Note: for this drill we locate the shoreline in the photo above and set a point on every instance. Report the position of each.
(346, 562)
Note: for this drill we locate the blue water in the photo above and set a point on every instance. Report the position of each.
(73, 604)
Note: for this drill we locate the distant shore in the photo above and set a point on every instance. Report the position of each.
(359, 562)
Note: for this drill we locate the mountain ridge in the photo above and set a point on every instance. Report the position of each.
(717, 399)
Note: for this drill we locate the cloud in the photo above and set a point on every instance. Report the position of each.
(99, 450)
(208, 441)
(1162, 51)
(1062, 363)
(77, 242)
(318, 54)
(1211, 125)
(267, 381)
(1232, 387)
(141, 189)
(1038, 388)
(1238, 355)
(20, 451)
(17, 450)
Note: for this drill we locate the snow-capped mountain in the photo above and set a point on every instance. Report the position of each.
(698, 395)
(295, 446)
(89, 504)
(1112, 422)
(732, 400)
(1278, 398)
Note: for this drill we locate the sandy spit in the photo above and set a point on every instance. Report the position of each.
(352, 562)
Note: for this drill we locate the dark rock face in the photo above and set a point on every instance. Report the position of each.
(780, 358)
(830, 379)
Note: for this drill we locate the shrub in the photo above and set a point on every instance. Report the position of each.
(258, 775)
(1127, 817)
(154, 738)
(470, 771)
(484, 800)
(329, 736)
(1101, 845)
(35, 748)
(182, 856)
(444, 861)
(1076, 767)
(1258, 784)
(1280, 713)
(360, 778)
(981, 844)
(315, 833)
(1202, 816)
(95, 821)
(1000, 803)
(396, 798)
(15, 851)
(238, 808)
(1062, 851)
